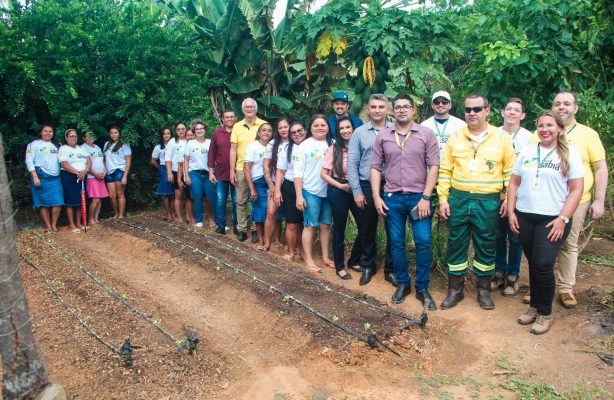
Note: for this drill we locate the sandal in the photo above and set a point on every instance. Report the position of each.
(313, 268)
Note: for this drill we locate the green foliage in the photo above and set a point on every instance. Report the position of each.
(92, 64)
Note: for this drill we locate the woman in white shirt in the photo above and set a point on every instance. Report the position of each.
(196, 171)
(74, 165)
(44, 167)
(158, 156)
(254, 176)
(544, 191)
(96, 188)
(311, 192)
(274, 213)
(285, 192)
(117, 158)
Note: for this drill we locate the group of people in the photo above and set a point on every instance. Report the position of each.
(505, 189)
(59, 173)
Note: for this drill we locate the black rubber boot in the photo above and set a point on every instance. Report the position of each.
(484, 299)
(455, 291)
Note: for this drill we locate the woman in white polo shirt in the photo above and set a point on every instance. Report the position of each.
(117, 158)
(75, 164)
(544, 191)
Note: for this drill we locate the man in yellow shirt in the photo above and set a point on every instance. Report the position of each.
(475, 168)
(588, 144)
(243, 134)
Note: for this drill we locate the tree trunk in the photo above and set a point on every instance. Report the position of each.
(23, 368)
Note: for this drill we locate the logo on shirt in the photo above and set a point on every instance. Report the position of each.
(490, 165)
(316, 154)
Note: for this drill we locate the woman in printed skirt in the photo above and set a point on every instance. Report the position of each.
(158, 159)
(544, 191)
(75, 164)
(118, 158)
(96, 188)
(254, 176)
(44, 167)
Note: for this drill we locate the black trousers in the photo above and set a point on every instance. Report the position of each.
(369, 219)
(541, 254)
(342, 203)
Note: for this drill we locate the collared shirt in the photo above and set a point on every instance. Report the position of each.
(219, 154)
(444, 130)
(332, 122)
(360, 151)
(243, 135)
(483, 168)
(587, 142)
(406, 167)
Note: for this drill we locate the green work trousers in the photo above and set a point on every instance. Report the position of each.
(472, 216)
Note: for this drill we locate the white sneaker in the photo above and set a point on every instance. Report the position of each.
(226, 229)
(198, 224)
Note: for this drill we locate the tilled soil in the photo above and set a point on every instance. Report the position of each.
(256, 343)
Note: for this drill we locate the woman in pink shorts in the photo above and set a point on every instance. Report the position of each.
(96, 187)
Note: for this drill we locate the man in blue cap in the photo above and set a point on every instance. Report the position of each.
(341, 104)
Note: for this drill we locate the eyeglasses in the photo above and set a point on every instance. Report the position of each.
(200, 129)
(297, 132)
(248, 107)
(406, 107)
(441, 101)
(71, 136)
(474, 109)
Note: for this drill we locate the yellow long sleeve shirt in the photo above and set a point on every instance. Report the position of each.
(477, 167)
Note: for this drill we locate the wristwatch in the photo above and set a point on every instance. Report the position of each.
(426, 196)
(564, 218)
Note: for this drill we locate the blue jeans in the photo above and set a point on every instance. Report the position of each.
(507, 259)
(221, 188)
(201, 187)
(399, 208)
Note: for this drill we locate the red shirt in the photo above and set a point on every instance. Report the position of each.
(219, 154)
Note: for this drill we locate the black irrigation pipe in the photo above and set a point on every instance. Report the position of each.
(310, 280)
(370, 340)
(110, 290)
(88, 328)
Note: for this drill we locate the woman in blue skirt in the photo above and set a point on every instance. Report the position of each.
(254, 175)
(44, 167)
(75, 164)
(158, 158)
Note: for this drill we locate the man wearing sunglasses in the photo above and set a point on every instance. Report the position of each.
(442, 123)
(476, 167)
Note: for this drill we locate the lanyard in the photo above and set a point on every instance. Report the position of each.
(396, 136)
(441, 133)
(539, 161)
(570, 129)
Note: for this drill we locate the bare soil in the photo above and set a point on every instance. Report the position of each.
(257, 342)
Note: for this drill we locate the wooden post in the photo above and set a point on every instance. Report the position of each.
(23, 368)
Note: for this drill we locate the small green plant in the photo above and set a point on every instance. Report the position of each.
(366, 326)
(280, 313)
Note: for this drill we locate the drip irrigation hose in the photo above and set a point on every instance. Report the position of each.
(308, 307)
(88, 328)
(310, 280)
(113, 293)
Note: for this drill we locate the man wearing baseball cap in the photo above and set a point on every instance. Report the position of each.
(442, 123)
(341, 104)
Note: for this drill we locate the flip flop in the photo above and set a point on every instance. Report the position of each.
(76, 230)
(313, 268)
(328, 265)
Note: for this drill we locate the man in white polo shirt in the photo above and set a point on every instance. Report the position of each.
(442, 123)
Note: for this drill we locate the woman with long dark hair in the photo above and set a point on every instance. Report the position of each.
(334, 173)
(275, 214)
(44, 167)
(158, 161)
(285, 193)
(544, 191)
(118, 158)
(172, 157)
(75, 164)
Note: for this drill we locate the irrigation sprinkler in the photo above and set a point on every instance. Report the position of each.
(191, 342)
(126, 352)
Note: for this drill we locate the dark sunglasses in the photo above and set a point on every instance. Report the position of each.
(441, 101)
(474, 109)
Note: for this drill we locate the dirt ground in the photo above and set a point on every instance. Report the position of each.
(256, 340)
